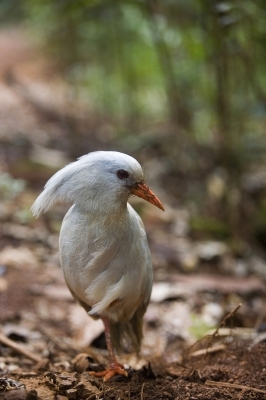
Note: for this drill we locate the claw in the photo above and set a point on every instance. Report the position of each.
(117, 369)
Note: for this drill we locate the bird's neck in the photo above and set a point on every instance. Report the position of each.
(104, 208)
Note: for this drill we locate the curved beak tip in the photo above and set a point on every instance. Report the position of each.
(143, 191)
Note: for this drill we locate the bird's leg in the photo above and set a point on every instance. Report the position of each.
(115, 368)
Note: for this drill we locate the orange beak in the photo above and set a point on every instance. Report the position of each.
(143, 191)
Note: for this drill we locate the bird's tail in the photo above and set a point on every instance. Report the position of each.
(127, 336)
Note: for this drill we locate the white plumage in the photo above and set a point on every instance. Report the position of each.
(103, 246)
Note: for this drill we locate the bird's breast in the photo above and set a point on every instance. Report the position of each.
(106, 263)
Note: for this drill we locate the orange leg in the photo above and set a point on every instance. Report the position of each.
(115, 368)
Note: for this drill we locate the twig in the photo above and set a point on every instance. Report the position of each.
(244, 333)
(142, 390)
(234, 386)
(216, 332)
(208, 350)
(19, 349)
(65, 344)
(222, 323)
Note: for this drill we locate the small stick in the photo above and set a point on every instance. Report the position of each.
(222, 323)
(234, 386)
(18, 348)
(142, 390)
(216, 332)
(208, 350)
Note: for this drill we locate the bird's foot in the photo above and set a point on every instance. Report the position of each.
(114, 369)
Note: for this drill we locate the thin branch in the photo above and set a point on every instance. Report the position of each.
(142, 390)
(19, 349)
(216, 332)
(228, 316)
(208, 350)
(234, 386)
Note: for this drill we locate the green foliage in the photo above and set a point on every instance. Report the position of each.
(199, 62)
(104, 49)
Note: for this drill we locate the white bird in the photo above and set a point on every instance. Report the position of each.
(103, 245)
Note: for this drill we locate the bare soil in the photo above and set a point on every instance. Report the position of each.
(30, 317)
(234, 373)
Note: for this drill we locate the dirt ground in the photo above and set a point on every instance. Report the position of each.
(205, 325)
(235, 372)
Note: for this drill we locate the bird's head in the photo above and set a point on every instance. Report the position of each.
(98, 180)
(118, 175)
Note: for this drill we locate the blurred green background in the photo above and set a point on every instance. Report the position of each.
(181, 84)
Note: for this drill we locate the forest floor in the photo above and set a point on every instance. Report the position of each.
(48, 344)
(205, 325)
(44, 356)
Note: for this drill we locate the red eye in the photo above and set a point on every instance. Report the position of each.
(122, 174)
